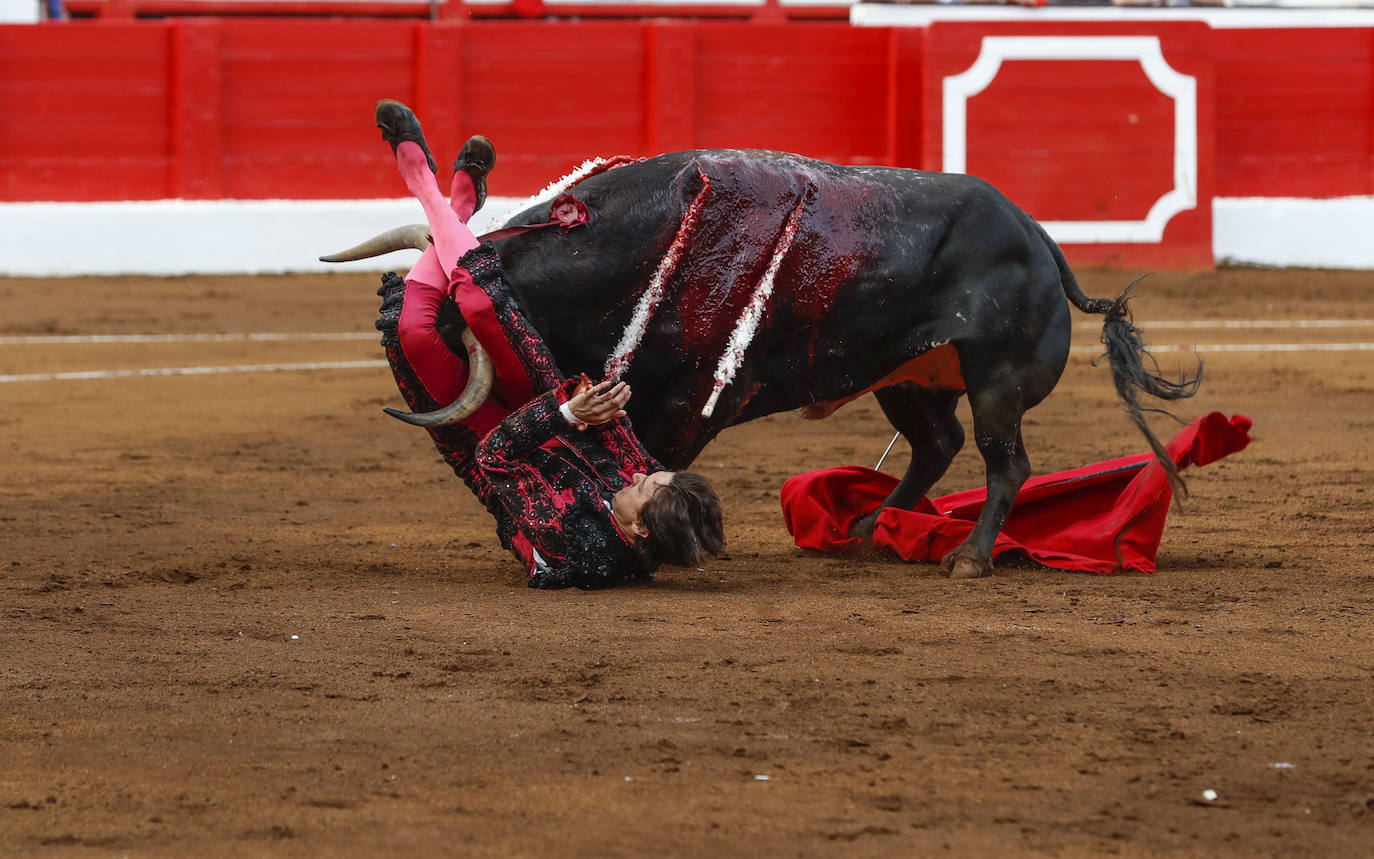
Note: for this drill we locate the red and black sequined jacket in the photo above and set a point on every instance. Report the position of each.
(554, 484)
(547, 484)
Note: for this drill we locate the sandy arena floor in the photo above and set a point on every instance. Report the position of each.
(246, 613)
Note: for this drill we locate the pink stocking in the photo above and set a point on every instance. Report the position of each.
(441, 372)
(451, 236)
(462, 195)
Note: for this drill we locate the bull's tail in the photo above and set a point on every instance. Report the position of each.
(1134, 369)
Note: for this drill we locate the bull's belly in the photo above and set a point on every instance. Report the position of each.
(939, 369)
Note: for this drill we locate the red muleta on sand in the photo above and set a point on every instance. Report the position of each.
(1102, 518)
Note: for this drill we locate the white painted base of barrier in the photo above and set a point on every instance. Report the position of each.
(1336, 233)
(20, 12)
(175, 237)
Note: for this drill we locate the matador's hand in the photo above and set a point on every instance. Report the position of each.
(605, 401)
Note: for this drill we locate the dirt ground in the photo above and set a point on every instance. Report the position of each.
(248, 614)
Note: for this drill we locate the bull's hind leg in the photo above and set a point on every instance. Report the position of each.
(998, 406)
(926, 419)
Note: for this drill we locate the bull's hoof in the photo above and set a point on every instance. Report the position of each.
(964, 567)
(863, 528)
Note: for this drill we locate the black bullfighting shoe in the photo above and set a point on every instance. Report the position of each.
(398, 124)
(476, 159)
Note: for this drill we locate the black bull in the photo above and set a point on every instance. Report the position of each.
(921, 287)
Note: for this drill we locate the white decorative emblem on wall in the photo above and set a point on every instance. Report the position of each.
(958, 89)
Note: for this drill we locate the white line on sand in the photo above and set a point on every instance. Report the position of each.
(1247, 347)
(86, 375)
(1243, 323)
(190, 371)
(270, 337)
(262, 337)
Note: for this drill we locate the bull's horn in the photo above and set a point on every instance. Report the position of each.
(473, 396)
(396, 239)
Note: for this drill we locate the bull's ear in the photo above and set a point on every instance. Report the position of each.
(450, 324)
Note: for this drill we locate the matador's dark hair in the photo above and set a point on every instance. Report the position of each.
(684, 521)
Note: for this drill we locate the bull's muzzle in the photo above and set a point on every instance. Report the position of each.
(469, 401)
(395, 239)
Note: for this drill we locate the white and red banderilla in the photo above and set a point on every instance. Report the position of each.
(745, 327)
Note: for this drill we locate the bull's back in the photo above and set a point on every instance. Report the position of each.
(881, 216)
(876, 270)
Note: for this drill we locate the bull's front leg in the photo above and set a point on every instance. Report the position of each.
(926, 419)
(997, 416)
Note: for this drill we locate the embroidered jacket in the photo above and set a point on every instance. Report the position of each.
(554, 484)
(547, 484)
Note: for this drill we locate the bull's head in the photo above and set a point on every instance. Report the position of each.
(479, 364)
(469, 401)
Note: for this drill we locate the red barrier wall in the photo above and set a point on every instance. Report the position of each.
(1083, 139)
(206, 108)
(1295, 112)
(83, 112)
(279, 108)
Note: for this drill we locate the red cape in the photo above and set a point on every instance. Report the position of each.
(1100, 518)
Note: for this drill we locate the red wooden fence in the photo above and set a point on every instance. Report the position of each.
(266, 108)
(245, 108)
